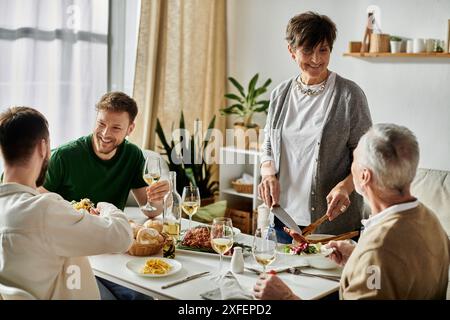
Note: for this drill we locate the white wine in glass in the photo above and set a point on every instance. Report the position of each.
(190, 201)
(222, 237)
(151, 174)
(265, 246)
(221, 245)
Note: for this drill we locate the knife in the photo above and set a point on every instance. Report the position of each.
(286, 219)
(194, 276)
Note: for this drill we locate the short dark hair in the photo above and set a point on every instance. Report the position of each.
(21, 129)
(310, 29)
(118, 102)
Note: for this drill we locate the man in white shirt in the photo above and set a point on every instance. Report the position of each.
(44, 240)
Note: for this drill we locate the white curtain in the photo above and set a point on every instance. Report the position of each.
(54, 57)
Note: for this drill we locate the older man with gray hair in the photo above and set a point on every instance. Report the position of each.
(403, 252)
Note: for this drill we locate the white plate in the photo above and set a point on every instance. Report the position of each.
(137, 264)
(314, 260)
(210, 254)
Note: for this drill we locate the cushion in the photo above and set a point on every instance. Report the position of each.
(207, 213)
(432, 188)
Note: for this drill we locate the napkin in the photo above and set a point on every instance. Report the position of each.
(246, 179)
(229, 289)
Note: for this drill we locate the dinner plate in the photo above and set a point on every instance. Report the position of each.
(315, 260)
(136, 265)
(205, 252)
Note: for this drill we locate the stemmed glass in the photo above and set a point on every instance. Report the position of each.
(265, 246)
(221, 237)
(151, 175)
(190, 201)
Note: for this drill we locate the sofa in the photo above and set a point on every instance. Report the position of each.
(432, 188)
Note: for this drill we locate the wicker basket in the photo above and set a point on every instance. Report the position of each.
(138, 249)
(242, 187)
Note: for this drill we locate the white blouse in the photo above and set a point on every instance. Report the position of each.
(301, 129)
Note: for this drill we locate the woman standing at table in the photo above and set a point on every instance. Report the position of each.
(315, 121)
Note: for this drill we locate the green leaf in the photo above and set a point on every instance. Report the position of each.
(261, 109)
(232, 109)
(263, 102)
(234, 97)
(260, 91)
(238, 86)
(208, 131)
(182, 124)
(162, 137)
(251, 88)
(252, 84)
(267, 83)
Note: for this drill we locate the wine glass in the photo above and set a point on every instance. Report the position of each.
(221, 237)
(265, 246)
(151, 175)
(190, 201)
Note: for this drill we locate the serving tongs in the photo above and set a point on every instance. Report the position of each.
(313, 226)
(343, 236)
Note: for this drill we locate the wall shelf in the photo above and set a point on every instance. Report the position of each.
(397, 55)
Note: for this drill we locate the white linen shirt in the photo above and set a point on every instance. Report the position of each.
(374, 219)
(45, 241)
(301, 130)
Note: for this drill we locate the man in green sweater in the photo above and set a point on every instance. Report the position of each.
(104, 167)
(403, 252)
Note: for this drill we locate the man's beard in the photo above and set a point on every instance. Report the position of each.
(100, 149)
(41, 178)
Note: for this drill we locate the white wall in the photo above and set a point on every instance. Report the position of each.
(410, 91)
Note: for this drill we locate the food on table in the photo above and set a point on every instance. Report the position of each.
(136, 227)
(302, 248)
(85, 204)
(156, 266)
(147, 241)
(198, 237)
(155, 224)
(149, 236)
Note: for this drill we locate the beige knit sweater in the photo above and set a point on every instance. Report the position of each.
(404, 256)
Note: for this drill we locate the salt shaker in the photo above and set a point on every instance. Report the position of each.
(237, 261)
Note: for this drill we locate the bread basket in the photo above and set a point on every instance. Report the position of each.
(242, 187)
(138, 249)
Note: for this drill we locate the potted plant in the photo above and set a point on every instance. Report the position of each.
(396, 44)
(199, 174)
(246, 104)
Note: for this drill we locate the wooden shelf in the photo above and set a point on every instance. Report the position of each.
(397, 55)
(243, 151)
(240, 194)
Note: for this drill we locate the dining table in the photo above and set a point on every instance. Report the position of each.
(113, 267)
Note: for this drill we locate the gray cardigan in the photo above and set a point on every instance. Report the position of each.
(346, 120)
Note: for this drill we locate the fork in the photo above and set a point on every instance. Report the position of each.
(298, 271)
